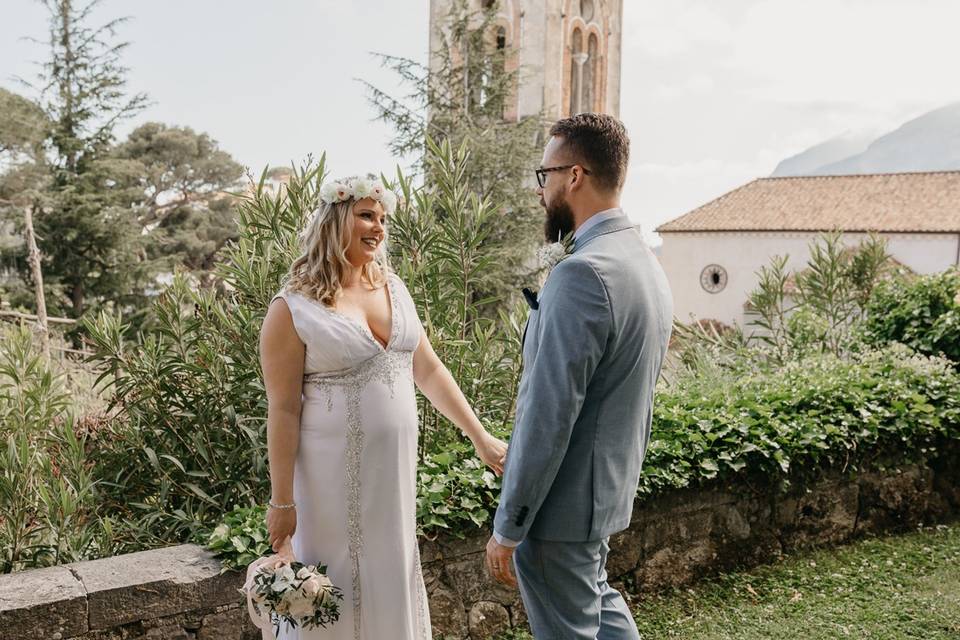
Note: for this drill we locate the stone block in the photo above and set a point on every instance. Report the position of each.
(899, 499)
(42, 604)
(824, 514)
(470, 579)
(153, 584)
(474, 542)
(626, 548)
(233, 623)
(518, 613)
(448, 615)
(487, 619)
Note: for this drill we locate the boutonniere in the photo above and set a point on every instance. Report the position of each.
(554, 253)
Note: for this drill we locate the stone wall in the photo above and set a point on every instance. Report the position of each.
(176, 593)
(179, 593)
(682, 536)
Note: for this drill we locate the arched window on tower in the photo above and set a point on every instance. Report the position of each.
(576, 71)
(591, 75)
(501, 39)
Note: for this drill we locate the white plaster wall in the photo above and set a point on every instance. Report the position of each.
(684, 255)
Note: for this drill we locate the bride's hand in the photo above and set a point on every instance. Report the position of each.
(281, 523)
(493, 452)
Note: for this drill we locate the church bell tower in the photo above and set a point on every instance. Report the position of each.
(567, 51)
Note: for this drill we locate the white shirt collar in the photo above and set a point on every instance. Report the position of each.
(596, 219)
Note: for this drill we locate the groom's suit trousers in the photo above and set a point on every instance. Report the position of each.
(565, 592)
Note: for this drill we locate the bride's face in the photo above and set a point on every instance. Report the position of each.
(368, 231)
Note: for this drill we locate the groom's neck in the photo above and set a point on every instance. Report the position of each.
(583, 211)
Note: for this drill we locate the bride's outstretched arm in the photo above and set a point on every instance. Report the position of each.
(281, 357)
(437, 384)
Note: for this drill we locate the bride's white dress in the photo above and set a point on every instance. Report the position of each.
(355, 472)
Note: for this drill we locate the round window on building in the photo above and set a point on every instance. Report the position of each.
(713, 278)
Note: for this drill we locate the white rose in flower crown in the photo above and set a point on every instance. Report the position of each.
(376, 191)
(344, 192)
(328, 192)
(361, 188)
(389, 201)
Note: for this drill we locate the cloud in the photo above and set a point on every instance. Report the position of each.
(665, 29)
(865, 51)
(698, 84)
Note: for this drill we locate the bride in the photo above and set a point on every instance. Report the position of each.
(341, 348)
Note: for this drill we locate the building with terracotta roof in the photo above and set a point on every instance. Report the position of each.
(711, 254)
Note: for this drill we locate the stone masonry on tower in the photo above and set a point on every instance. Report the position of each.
(568, 52)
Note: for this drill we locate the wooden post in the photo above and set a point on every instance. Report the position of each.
(34, 259)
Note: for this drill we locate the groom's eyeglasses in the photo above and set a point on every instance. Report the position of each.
(543, 171)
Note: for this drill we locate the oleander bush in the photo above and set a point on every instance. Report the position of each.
(49, 495)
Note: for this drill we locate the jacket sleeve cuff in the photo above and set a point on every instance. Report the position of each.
(506, 542)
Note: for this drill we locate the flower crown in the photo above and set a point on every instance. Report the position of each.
(358, 188)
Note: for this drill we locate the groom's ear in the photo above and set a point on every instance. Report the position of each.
(577, 176)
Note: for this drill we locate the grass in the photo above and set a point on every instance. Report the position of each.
(894, 588)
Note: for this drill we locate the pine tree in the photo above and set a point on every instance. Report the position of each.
(87, 235)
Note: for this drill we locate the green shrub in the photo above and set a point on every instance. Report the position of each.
(48, 493)
(241, 537)
(437, 247)
(455, 492)
(922, 312)
(806, 414)
(189, 440)
(826, 304)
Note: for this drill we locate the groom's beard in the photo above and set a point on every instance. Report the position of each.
(559, 221)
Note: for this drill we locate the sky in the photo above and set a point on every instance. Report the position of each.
(714, 93)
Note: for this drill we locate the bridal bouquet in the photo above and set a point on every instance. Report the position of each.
(281, 590)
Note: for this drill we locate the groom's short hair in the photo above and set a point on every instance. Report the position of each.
(598, 141)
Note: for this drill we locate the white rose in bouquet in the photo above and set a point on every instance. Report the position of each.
(311, 586)
(299, 604)
(283, 578)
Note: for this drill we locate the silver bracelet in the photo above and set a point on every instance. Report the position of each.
(283, 506)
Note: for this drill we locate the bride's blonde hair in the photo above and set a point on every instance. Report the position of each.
(319, 272)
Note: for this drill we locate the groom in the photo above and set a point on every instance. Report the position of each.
(592, 352)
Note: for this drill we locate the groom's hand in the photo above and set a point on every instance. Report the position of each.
(499, 559)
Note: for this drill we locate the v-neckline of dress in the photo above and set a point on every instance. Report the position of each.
(363, 327)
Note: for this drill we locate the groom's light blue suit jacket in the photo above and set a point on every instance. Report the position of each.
(591, 358)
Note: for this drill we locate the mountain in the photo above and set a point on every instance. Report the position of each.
(833, 150)
(930, 142)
